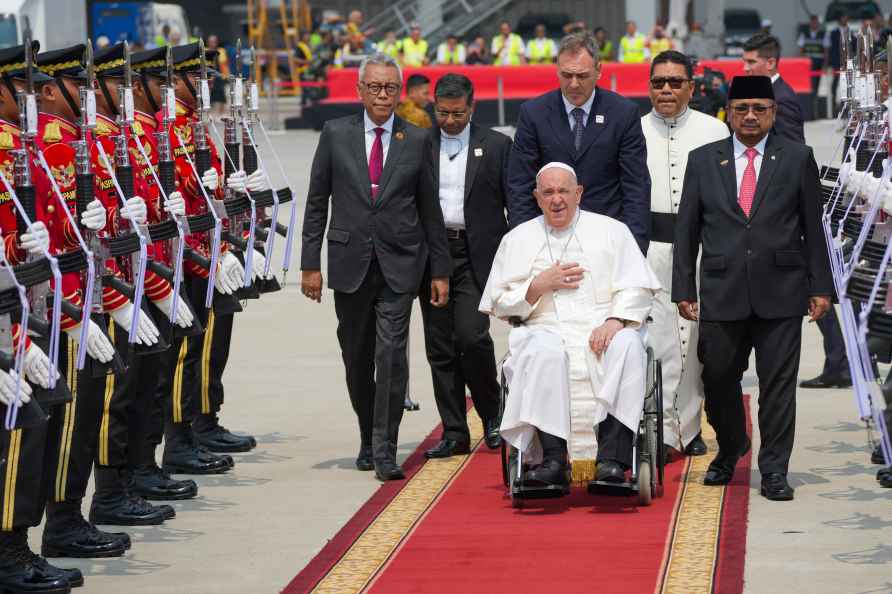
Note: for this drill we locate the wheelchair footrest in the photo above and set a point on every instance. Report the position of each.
(521, 491)
(612, 489)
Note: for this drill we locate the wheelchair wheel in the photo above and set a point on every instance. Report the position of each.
(659, 460)
(645, 479)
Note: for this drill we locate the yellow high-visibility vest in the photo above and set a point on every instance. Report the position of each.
(658, 46)
(633, 49)
(413, 52)
(515, 49)
(455, 56)
(541, 51)
(390, 48)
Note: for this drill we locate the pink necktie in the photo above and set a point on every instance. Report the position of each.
(376, 162)
(748, 183)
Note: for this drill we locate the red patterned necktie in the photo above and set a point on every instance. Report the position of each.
(376, 162)
(748, 183)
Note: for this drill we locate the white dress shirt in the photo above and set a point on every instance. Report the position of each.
(452, 177)
(370, 136)
(586, 107)
(740, 159)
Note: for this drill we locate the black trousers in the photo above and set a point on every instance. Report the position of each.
(214, 356)
(459, 348)
(724, 350)
(615, 442)
(24, 473)
(373, 327)
(835, 361)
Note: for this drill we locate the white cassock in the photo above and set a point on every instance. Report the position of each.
(672, 338)
(555, 381)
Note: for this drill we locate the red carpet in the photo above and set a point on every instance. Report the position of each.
(469, 539)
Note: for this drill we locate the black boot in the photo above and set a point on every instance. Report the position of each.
(150, 482)
(22, 571)
(68, 534)
(876, 457)
(113, 502)
(217, 438)
(184, 455)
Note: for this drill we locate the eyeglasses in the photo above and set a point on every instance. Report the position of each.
(456, 115)
(744, 108)
(674, 83)
(390, 89)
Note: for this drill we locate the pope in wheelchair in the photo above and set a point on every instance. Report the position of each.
(578, 291)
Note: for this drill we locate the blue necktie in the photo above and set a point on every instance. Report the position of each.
(579, 115)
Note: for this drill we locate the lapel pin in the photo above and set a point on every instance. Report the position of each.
(478, 152)
(723, 163)
(399, 136)
(772, 157)
(599, 119)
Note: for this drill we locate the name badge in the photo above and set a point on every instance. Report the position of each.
(599, 119)
(478, 152)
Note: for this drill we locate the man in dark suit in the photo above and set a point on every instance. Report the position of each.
(595, 131)
(749, 201)
(385, 226)
(760, 57)
(468, 163)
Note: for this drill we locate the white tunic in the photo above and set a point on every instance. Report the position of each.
(674, 339)
(555, 382)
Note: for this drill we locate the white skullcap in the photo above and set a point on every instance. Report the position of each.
(556, 165)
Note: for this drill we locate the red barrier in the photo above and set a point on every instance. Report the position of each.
(524, 82)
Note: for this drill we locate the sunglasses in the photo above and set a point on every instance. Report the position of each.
(674, 83)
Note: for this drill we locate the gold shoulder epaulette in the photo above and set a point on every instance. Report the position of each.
(52, 132)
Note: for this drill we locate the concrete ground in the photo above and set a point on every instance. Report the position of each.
(253, 529)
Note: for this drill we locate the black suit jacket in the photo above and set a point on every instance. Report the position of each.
(766, 265)
(403, 224)
(485, 190)
(611, 164)
(788, 120)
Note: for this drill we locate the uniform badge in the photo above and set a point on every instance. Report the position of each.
(6, 140)
(399, 136)
(599, 119)
(52, 132)
(137, 129)
(723, 163)
(478, 152)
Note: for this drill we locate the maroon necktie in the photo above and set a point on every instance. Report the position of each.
(748, 183)
(376, 162)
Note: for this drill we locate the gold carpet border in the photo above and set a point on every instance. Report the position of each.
(368, 554)
(693, 550)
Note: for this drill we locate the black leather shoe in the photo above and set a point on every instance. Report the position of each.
(876, 457)
(492, 438)
(447, 448)
(884, 477)
(364, 460)
(827, 381)
(549, 473)
(184, 458)
(388, 471)
(610, 471)
(81, 540)
(73, 576)
(697, 447)
(128, 510)
(217, 438)
(150, 482)
(775, 487)
(20, 574)
(721, 469)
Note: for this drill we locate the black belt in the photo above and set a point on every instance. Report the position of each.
(455, 233)
(662, 227)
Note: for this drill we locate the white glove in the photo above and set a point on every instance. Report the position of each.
(36, 240)
(175, 204)
(135, 210)
(230, 276)
(885, 197)
(98, 345)
(37, 366)
(93, 218)
(256, 182)
(258, 263)
(237, 181)
(210, 179)
(7, 389)
(183, 317)
(146, 332)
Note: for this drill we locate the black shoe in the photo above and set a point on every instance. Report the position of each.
(610, 471)
(21, 571)
(183, 457)
(388, 471)
(128, 510)
(876, 457)
(447, 448)
(364, 460)
(721, 469)
(492, 438)
(150, 482)
(217, 438)
(775, 487)
(697, 447)
(549, 473)
(884, 477)
(79, 539)
(73, 576)
(827, 381)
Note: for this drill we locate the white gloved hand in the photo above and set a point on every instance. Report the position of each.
(7, 388)
(183, 317)
(237, 181)
(93, 218)
(210, 179)
(258, 263)
(146, 332)
(98, 345)
(885, 197)
(37, 366)
(36, 240)
(175, 204)
(256, 182)
(230, 274)
(135, 210)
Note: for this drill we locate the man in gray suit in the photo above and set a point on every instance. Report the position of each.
(385, 224)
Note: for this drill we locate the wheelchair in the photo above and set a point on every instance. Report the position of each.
(646, 479)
